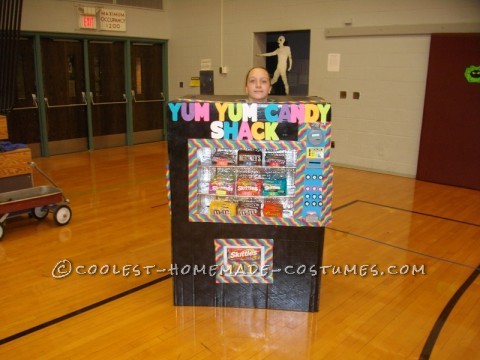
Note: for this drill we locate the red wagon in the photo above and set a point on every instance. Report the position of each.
(38, 201)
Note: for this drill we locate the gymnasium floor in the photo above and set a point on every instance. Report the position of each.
(425, 238)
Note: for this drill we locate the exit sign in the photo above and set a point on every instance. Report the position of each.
(88, 21)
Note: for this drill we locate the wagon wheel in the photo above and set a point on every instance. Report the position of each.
(2, 231)
(62, 215)
(39, 212)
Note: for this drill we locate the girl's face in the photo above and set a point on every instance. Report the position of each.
(258, 85)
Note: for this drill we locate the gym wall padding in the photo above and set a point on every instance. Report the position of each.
(450, 138)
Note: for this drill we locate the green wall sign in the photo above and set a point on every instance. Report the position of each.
(472, 74)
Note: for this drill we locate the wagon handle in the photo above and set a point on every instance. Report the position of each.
(35, 166)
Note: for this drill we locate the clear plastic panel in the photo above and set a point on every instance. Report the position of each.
(245, 183)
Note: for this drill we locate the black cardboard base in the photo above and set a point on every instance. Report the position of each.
(295, 249)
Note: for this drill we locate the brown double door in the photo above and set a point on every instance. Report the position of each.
(147, 92)
(107, 93)
(64, 95)
(23, 120)
(87, 95)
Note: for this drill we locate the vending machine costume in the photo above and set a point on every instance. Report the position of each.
(250, 188)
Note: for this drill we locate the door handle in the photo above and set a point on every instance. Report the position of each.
(108, 102)
(145, 101)
(84, 103)
(35, 104)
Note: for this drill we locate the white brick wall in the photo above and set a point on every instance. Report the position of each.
(378, 132)
(381, 130)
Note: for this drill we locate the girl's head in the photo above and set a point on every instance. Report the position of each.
(257, 84)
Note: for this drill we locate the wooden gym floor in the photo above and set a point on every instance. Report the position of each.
(121, 218)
